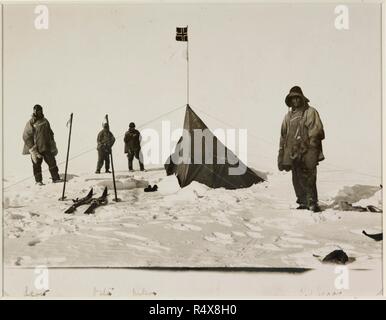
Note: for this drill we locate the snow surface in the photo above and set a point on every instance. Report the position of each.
(191, 227)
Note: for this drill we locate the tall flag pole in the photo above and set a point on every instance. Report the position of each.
(182, 35)
(112, 165)
(69, 122)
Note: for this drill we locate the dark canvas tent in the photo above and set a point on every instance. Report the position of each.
(220, 173)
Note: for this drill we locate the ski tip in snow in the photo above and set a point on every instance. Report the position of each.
(78, 202)
(102, 200)
(104, 194)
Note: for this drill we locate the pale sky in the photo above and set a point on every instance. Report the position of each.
(123, 60)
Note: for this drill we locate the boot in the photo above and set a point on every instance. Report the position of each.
(315, 208)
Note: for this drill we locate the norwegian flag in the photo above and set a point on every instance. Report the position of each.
(182, 34)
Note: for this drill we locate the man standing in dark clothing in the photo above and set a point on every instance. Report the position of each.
(133, 146)
(105, 142)
(301, 148)
(40, 144)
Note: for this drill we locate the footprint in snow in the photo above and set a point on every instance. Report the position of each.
(34, 242)
(129, 225)
(290, 246)
(142, 248)
(267, 247)
(129, 235)
(238, 234)
(255, 235)
(253, 227)
(205, 221)
(219, 237)
(299, 241)
(101, 229)
(186, 227)
(293, 234)
(224, 222)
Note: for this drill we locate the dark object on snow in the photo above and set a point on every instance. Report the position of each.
(337, 257)
(222, 173)
(79, 202)
(149, 188)
(95, 203)
(376, 236)
(345, 206)
(355, 193)
(374, 209)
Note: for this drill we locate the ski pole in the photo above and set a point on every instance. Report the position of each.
(68, 153)
(112, 165)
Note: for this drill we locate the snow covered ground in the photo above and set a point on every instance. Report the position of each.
(190, 227)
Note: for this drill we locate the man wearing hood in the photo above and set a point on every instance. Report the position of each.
(40, 144)
(105, 142)
(133, 146)
(301, 148)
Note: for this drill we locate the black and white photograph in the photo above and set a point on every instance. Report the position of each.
(196, 140)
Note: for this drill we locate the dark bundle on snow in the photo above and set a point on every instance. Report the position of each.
(337, 256)
(149, 188)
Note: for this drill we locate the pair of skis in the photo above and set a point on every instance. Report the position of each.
(93, 202)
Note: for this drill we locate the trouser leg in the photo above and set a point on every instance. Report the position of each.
(37, 169)
(139, 156)
(310, 176)
(297, 181)
(107, 161)
(130, 157)
(52, 166)
(100, 160)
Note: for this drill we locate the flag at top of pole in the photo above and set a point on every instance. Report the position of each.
(182, 34)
